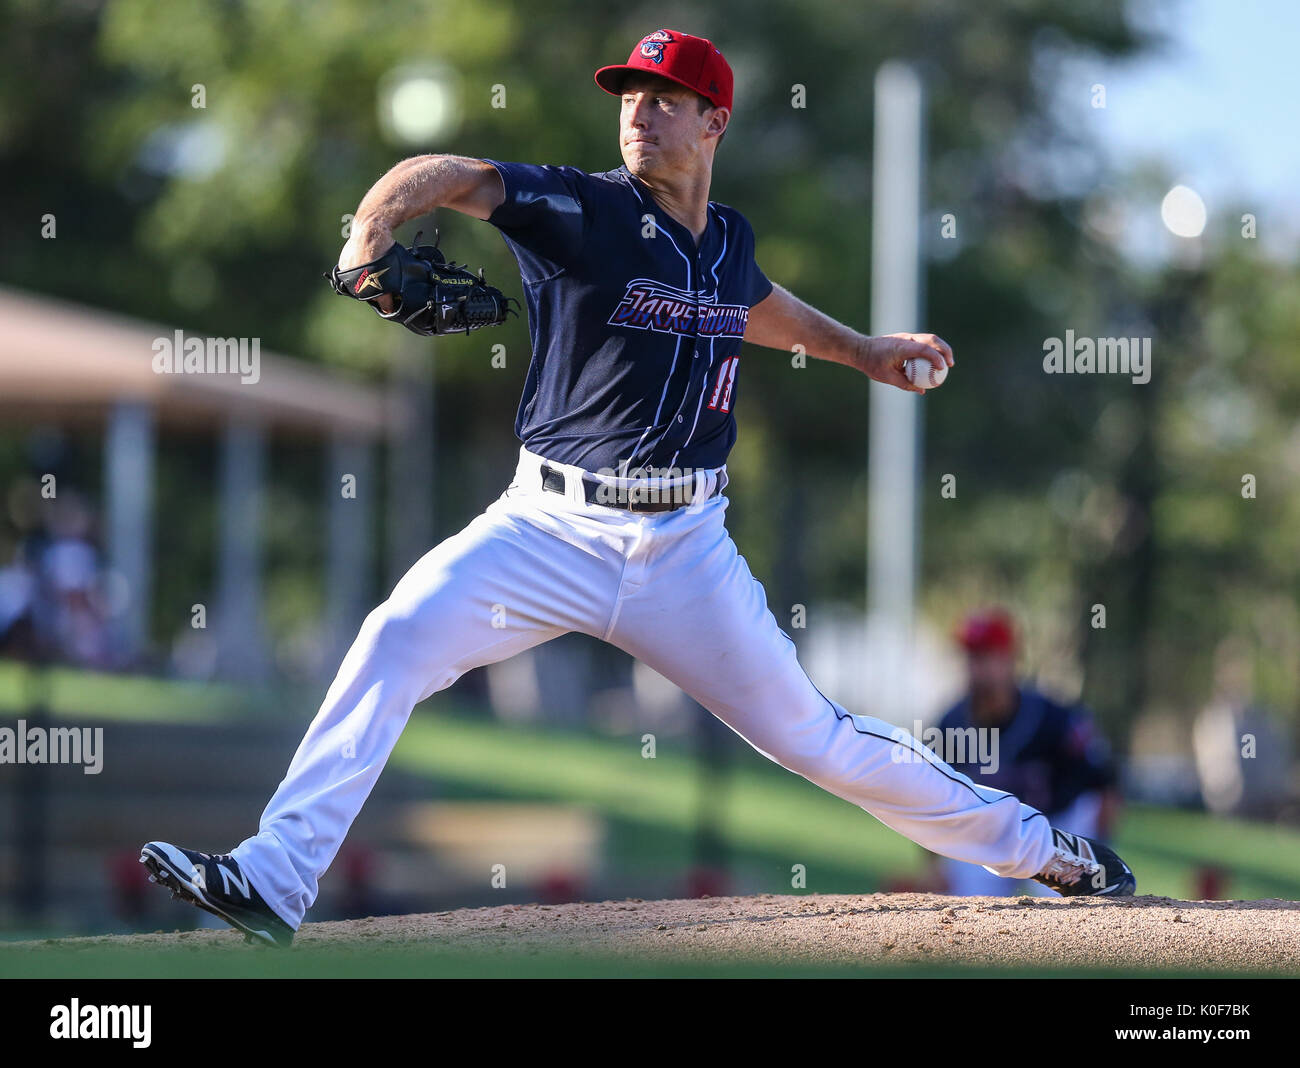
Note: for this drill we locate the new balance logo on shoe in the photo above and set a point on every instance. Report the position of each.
(227, 878)
(193, 876)
(1082, 867)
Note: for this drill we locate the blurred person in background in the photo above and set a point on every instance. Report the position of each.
(1242, 748)
(70, 574)
(17, 597)
(1048, 753)
(22, 545)
(51, 606)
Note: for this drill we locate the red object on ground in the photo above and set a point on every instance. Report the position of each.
(703, 881)
(358, 863)
(130, 883)
(1211, 883)
(559, 887)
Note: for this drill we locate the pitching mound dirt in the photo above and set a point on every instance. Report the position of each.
(828, 930)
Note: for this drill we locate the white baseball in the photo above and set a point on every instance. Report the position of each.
(921, 372)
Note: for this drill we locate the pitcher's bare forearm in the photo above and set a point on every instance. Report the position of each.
(783, 321)
(416, 187)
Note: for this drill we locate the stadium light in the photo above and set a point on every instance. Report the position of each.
(1183, 212)
(419, 104)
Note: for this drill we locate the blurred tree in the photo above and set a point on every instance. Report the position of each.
(1071, 491)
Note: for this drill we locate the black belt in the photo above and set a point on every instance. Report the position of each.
(638, 496)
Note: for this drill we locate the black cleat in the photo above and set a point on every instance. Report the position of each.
(1082, 867)
(214, 883)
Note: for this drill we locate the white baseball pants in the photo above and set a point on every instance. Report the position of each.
(972, 880)
(669, 588)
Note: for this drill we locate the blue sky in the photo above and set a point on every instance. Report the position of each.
(1219, 105)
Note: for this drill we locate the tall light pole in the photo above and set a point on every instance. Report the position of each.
(893, 529)
(419, 108)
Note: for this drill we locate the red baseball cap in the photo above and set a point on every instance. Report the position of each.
(690, 61)
(988, 632)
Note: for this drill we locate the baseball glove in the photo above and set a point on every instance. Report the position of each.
(431, 296)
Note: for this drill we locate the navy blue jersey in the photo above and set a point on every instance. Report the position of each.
(636, 332)
(1048, 753)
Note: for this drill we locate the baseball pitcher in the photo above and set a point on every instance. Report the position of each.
(640, 291)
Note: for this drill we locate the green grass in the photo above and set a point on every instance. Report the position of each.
(191, 963)
(769, 818)
(773, 819)
(74, 693)
(1166, 847)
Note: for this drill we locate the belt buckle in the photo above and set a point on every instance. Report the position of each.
(636, 501)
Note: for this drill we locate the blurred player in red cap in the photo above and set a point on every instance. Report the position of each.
(1047, 753)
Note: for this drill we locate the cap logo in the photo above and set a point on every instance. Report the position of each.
(652, 45)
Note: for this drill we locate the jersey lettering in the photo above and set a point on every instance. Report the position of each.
(650, 305)
(634, 335)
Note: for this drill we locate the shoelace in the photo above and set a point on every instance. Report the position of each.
(1063, 865)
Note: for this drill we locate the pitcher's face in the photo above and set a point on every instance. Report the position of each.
(662, 129)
